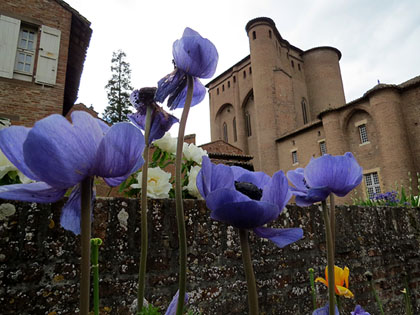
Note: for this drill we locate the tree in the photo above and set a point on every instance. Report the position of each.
(118, 89)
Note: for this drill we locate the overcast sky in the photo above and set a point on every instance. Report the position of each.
(379, 40)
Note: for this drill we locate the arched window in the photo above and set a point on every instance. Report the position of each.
(254, 35)
(269, 33)
(225, 132)
(235, 135)
(248, 124)
(304, 112)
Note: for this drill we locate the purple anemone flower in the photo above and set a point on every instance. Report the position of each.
(174, 303)
(324, 175)
(246, 200)
(359, 311)
(325, 310)
(59, 155)
(161, 121)
(195, 56)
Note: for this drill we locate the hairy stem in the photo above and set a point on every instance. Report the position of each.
(178, 200)
(86, 192)
(144, 241)
(330, 259)
(95, 243)
(249, 273)
(313, 292)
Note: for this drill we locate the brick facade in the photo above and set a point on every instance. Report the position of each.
(281, 99)
(25, 102)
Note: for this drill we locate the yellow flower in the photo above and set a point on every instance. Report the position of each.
(341, 278)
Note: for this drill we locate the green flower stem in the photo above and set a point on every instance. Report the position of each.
(330, 259)
(375, 294)
(249, 273)
(313, 292)
(406, 291)
(332, 220)
(338, 303)
(95, 243)
(144, 241)
(86, 192)
(182, 238)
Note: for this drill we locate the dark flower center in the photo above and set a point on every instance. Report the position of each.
(249, 190)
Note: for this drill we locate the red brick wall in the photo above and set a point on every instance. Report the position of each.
(26, 102)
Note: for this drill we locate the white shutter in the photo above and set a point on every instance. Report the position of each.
(9, 34)
(49, 46)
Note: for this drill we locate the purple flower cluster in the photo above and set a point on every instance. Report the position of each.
(389, 198)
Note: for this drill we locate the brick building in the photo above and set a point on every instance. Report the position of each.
(43, 44)
(284, 105)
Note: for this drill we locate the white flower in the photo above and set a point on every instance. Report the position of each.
(192, 179)
(158, 185)
(166, 143)
(193, 153)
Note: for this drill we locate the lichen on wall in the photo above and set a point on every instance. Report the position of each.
(39, 261)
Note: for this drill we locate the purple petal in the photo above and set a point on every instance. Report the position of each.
(120, 151)
(174, 303)
(232, 208)
(297, 178)
(281, 237)
(62, 154)
(137, 102)
(33, 192)
(177, 99)
(195, 55)
(104, 127)
(169, 84)
(259, 179)
(277, 190)
(161, 122)
(212, 177)
(359, 311)
(325, 310)
(71, 212)
(11, 144)
(339, 173)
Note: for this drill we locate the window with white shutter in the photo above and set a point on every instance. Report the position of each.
(9, 34)
(49, 46)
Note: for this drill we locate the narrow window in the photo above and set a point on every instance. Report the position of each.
(235, 135)
(299, 66)
(254, 35)
(372, 184)
(363, 134)
(217, 91)
(323, 147)
(269, 33)
(228, 84)
(304, 113)
(250, 70)
(294, 157)
(293, 64)
(225, 132)
(25, 55)
(244, 74)
(223, 88)
(248, 124)
(234, 79)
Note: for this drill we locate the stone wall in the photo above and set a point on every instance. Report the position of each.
(39, 261)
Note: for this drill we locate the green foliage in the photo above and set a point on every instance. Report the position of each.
(149, 310)
(118, 90)
(10, 178)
